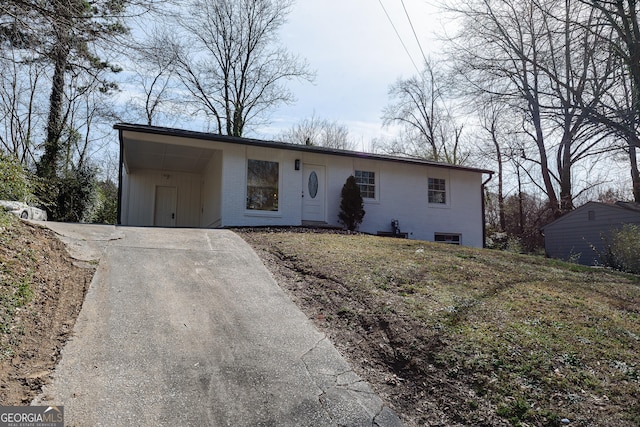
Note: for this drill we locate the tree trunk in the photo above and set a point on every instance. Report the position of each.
(564, 153)
(544, 161)
(520, 203)
(632, 32)
(47, 165)
(635, 172)
(564, 166)
(531, 93)
(61, 51)
(501, 213)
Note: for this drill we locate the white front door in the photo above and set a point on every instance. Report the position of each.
(313, 193)
(165, 209)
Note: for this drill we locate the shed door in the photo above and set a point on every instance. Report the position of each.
(165, 209)
(313, 193)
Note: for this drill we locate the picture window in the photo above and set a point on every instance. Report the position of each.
(262, 185)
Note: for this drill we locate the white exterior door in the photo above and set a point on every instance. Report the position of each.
(165, 208)
(313, 193)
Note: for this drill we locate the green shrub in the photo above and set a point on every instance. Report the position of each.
(351, 206)
(623, 250)
(106, 206)
(72, 196)
(16, 182)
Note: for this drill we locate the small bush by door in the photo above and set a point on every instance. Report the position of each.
(351, 206)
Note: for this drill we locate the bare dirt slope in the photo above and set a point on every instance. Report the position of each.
(36, 269)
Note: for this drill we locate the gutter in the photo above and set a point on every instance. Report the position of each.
(484, 216)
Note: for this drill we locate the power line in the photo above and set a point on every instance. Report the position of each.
(399, 37)
(414, 31)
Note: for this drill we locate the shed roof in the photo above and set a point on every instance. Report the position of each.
(629, 205)
(622, 206)
(189, 134)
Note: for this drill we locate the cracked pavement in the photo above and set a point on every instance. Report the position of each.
(187, 327)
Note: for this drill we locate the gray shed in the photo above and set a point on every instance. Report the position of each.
(580, 235)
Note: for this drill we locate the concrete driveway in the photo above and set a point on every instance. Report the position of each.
(185, 327)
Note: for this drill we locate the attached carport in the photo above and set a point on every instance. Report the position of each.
(169, 181)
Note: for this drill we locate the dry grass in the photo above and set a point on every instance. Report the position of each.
(499, 336)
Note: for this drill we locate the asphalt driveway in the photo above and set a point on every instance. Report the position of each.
(186, 327)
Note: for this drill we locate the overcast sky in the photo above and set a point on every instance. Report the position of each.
(357, 55)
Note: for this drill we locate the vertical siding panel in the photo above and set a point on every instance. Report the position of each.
(141, 201)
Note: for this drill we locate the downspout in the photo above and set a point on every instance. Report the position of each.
(484, 216)
(119, 211)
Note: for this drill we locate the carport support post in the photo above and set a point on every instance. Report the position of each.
(119, 208)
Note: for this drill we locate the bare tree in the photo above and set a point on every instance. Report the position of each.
(154, 68)
(232, 65)
(88, 105)
(65, 36)
(622, 111)
(319, 132)
(72, 38)
(71, 30)
(22, 79)
(491, 113)
(428, 129)
(56, 75)
(537, 57)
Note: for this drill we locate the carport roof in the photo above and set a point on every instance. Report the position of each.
(192, 158)
(141, 154)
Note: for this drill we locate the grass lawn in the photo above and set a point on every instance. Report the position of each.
(463, 336)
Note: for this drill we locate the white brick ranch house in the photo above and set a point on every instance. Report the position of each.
(178, 178)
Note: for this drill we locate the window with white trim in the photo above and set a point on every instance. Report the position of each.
(366, 181)
(262, 185)
(437, 190)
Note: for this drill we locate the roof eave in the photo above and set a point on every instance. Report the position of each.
(286, 146)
